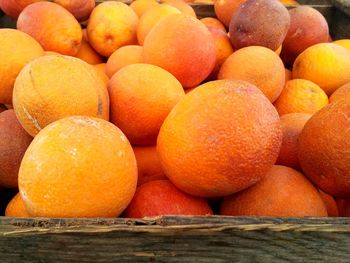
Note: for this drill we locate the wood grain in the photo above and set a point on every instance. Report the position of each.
(175, 239)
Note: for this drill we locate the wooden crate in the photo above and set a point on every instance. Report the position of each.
(184, 239)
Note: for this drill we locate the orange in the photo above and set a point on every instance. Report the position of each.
(14, 141)
(101, 71)
(257, 65)
(292, 125)
(307, 28)
(112, 25)
(284, 192)
(13, 8)
(53, 87)
(300, 95)
(289, 2)
(87, 53)
(151, 18)
(226, 9)
(161, 197)
(14, 57)
(183, 46)
(142, 95)
(81, 9)
(182, 6)
(221, 138)
(52, 26)
(148, 164)
(223, 49)
(323, 149)
(325, 64)
(141, 6)
(213, 22)
(122, 57)
(340, 93)
(331, 205)
(78, 167)
(345, 43)
(16, 208)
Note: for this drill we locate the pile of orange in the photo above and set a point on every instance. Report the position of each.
(149, 110)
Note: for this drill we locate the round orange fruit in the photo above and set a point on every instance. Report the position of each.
(340, 93)
(16, 207)
(78, 167)
(221, 138)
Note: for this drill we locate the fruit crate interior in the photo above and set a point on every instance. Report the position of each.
(181, 238)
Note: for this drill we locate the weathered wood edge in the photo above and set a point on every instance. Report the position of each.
(207, 225)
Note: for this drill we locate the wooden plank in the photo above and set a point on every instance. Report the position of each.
(175, 239)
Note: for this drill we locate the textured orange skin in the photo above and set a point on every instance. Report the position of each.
(14, 57)
(142, 95)
(223, 49)
(300, 95)
(122, 57)
(81, 9)
(257, 65)
(87, 53)
(288, 75)
(142, 6)
(101, 71)
(340, 93)
(221, 138)
(52, 26)
(326, 64)
(324, 149)
(78, 167)
(292, 125)
(53, 87)
(14, 141)
(13, 8)
(331, 205)
(183, 46)
(112, 25)
(151, 18)
(213, 22)
(16, 207)
(284, 192)
(148, 164)
(226, 9)
(345, 43)
(307, 28)
(251, 26)
(182, 7)
(161, 197)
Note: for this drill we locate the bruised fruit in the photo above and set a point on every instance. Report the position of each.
(142, 95)
(259, 23)
(112, 25)
(148, 165)
(161, 197)
(14, 57)
(284, 192)
(82, 166)
(14, 141)
(221, 138)
(183, 46)
(324, 147)
(307, 27)
(64, 35)
(53, 87)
